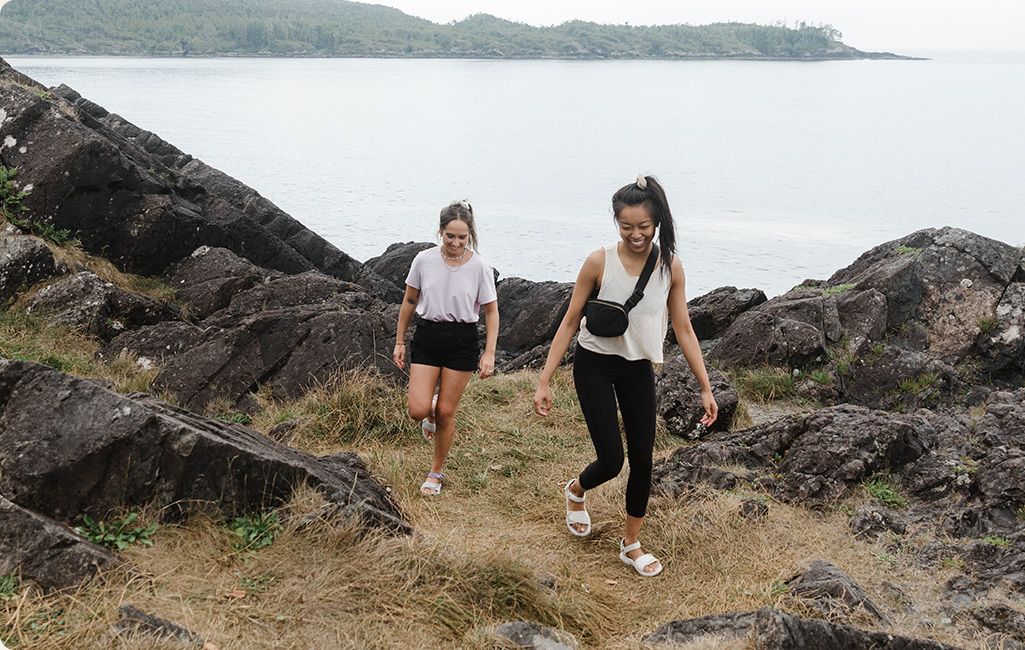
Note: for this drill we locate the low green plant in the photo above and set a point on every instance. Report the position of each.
(234, 417)
(842, 358)
(953, 562)
(10, 587)
(986, 325)
(882, 490)
(119, 533)
(908, 250)
(837, 289)
(997, 540)
(888, 558)
(821, 376)
(255, 584)
(766, 384)
(255, 531)
(918, 384)
(12, 207)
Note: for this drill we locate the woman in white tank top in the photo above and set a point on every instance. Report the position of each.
(617, 369)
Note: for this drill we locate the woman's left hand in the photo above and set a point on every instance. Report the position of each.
(487, 365)
(711, 408)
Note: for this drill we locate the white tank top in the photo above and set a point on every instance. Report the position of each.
(645, 336)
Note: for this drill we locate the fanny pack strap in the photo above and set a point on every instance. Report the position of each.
(642, 281)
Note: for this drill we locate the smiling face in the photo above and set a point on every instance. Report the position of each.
(454, 237)
(636, 227)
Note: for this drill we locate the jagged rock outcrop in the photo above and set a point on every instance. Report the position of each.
(24, 260)
(210, 278)
(393, 264)
(831, 591)
(679, 397)
(771, 629)
(69, 447)
(813, 459)
(42, 551)
(712, 313)
(287, 332)
(131, 197)
(897, 324)
(85, 302)
(530, 313)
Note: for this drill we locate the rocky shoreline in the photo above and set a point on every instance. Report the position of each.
(913, 358)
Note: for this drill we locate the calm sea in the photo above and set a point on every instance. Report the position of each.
(776, 171)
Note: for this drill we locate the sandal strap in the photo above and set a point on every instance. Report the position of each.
(626, 548)
(578, 517)
(644, 560)
(435, 475)
(569, 493)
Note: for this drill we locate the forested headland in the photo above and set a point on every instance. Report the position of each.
(336, 28)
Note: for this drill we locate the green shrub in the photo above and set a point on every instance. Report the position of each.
(821, 376)
(837, 289)
(10, 587)
(997, 540)
(986, 325)
(766, 384)
(918, 384)
(118, 533)
(234, 417)
(908, 250)
(255, 531)
(882, 490)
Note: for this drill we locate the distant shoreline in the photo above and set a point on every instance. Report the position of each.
(865, 56)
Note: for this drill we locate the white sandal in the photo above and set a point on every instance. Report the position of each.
(429, 489)
(576, 516)
(639, 563)
(426, 426)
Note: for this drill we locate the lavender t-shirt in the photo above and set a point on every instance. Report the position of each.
(451, 293)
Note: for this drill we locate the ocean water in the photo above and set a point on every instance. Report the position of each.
(775, 171)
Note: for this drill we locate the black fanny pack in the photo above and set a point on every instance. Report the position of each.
(607, 318)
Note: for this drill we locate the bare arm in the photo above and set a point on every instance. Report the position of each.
(689, 341)
(406, 311)
(487, 360)
(587, 279)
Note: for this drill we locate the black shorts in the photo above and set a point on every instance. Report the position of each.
(446, 345)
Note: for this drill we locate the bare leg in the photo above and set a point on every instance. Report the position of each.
(422, 380)
(633, 531)
(453, 383)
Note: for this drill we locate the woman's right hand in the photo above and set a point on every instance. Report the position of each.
(543, 399)
(398, 355)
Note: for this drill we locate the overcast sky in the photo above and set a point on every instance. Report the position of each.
(866, 24)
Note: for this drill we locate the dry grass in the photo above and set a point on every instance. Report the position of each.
(28, 338)
(479, 551)
(77, 259)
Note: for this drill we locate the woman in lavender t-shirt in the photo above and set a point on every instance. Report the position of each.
(446, 287)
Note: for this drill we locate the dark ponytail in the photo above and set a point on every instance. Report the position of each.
(648, 191)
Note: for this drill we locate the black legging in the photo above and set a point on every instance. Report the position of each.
(600, 380)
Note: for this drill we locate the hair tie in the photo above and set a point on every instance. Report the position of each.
(642, 182)
(465, 204)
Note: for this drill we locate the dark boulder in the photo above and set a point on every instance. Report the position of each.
(712, 313)
(760, 338)
(870, 522)
(771, 629)
(139, 201)
(89, 304)
(813, 459)
(530, 312)
(679, 397)
(830, 591)
(70, 448)
(210, 277)
(24, 260)
(154, 343)
(289, 350)
(42, 551)
(393, 265)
